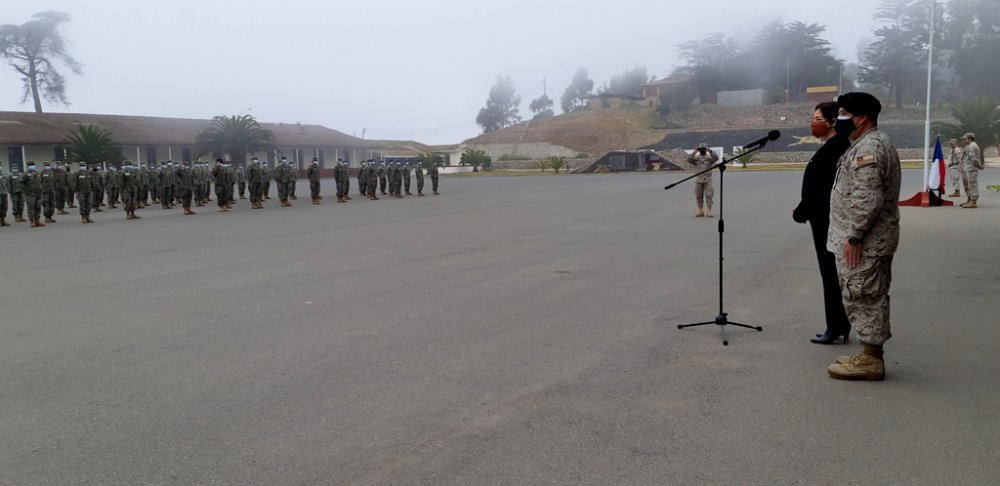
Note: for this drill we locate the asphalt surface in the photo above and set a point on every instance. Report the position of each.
(514, 330)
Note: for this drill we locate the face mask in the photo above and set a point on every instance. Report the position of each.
(47, 168)
(819, 128)
(31, 168)
(702, 151)
(845, 126)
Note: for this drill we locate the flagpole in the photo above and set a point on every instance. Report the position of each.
(927, 120)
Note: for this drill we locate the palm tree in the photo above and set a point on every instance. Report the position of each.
(236, 135)
(474, 157)
(745, 156)
(427, 159)
(91, 144)
(556, 162)
(980, 116)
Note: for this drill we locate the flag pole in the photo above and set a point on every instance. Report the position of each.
(927, 120)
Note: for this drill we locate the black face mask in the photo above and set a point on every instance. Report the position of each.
(845, 127)
(702, 151)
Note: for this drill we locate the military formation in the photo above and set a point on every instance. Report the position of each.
(964, 164)
(44, 192)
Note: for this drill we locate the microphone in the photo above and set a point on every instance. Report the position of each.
(772, 135)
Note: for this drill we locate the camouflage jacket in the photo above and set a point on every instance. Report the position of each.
(313, 173)
(702, 162)
(864, 197)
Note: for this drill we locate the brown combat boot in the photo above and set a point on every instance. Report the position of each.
(708, 213)
(20, 219)
(437, 193)
(38, 222)
(700, 213)
(49, 220)
(89, 220)
(3, 222)
(955, 194)
(135, 216)
(83, 219)
(969, 204)
(128, 216)
(63, 211)
(868, 365)
(420, 194)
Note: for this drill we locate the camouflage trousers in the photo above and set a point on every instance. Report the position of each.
(314, 189)
(865, 290)
(406, 184)
(17, 204)
(955, 174)
(434, 185)
(970, 179)
(420, 185)
(34, 203)
(48, 204)
(704, 191)
(60, 198)
(129, 200)
(3, 206)
(85, 199)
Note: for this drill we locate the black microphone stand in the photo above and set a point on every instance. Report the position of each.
(721, 320)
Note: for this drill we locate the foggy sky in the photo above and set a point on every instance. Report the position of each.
(399, 69)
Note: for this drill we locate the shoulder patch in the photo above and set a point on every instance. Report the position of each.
(863, 160)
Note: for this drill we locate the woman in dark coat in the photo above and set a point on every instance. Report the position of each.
(817, 183)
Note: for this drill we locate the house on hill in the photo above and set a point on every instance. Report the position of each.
(652, 90)
(41, 137)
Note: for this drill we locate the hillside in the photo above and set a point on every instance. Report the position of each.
(595, 132)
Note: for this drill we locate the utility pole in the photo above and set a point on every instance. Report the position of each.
(788, 80)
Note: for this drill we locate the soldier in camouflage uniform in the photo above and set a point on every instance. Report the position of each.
(406, 178)
(4, 191)
(954, 166)
(112, 184)
(186, 185)
(241, 180)
(154, 183)
(372, 182)
(16, 181)
(130, 190)
(418, 174)
(167, 186)
(265, 187)
(255, 177)
(221, 183)
(972, 163)
(313, 174)
(434, 173)
(32, 183)
(363, 178)
(382, 179)
(70, 188)
(703, 158)
(85, 190)
(864, 232)
(49, 183)
(61, 188)
(283, 176)
(293, 177)
(98, 183)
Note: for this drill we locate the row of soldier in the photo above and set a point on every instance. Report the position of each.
(55, 187)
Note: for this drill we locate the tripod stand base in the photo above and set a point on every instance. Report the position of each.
(721, 320)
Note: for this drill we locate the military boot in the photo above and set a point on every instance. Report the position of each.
(700, 213)
(62, 211)
(969, 204)
(955, 194)
(708, 213)
(135, 216)
(38, 222)
(83, 219)
(88, 219)
(20, 219)
(49, 220)
(3, 222)
(867, 365)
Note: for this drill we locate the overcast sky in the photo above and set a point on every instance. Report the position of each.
(398, 69)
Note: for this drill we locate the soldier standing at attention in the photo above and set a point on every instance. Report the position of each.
(166, 186)
(113, 185)
(382, 182)
(864, 232)
(185, 184)
(142, 177)
(17, 195)
(371, 183)
(4, 190)
(32, 183)
(48, 192)
(282, 177)
(703, 158)
(85, 188)
(972, 163)
(434, 177)
(955, 167)
(130, 190)
(265, 184)
(61, 187)
(313, 174)
(390, 176)
(418, 174)
(254, 178)
(406, 179)
(70, 188)
(219, 174)
(293, 177)
(361, 177)
(241, 180)
(154, 183)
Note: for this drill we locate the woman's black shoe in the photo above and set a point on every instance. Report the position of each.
(828, 338)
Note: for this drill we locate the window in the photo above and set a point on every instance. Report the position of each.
(186, 154)
(322, 159)
(151, 155)
(59, 153)
(15, 157)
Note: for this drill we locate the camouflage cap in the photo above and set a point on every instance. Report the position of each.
(702, 145)
(970, 136)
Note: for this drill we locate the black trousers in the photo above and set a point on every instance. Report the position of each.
(836, 316)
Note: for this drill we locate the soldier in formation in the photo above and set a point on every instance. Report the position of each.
(293, 177)
(186, 185)
(130, 190)
(61, 176)
(406, 178)
(418, 174)
(382, 177)
(257, 175)
(313, 174)
(32, 183)
(241, 180)
(283, 177)
(85, 187)
(4, 192)
(972, 163)
(48, 177)
(434, 172)
(703, 158)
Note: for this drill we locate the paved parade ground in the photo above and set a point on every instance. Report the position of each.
(514, 330)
